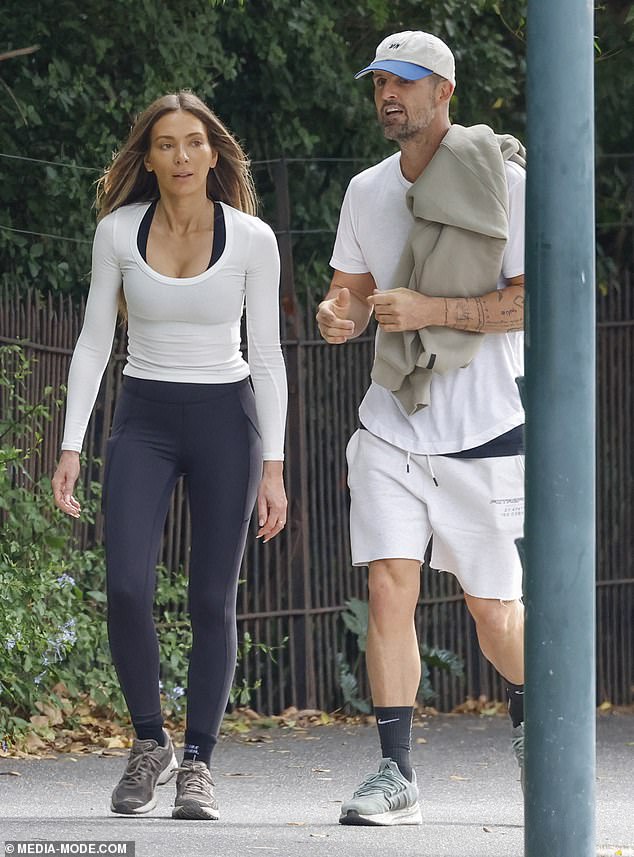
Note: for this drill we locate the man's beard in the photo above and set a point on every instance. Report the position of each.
(408, 130)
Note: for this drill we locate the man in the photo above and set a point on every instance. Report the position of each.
(452, 469)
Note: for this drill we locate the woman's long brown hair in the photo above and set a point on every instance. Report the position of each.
(126, 180)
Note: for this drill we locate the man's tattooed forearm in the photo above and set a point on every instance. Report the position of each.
(486, 314)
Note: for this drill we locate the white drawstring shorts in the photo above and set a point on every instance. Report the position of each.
(473, 508)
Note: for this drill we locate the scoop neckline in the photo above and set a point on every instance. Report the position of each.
(179, 281)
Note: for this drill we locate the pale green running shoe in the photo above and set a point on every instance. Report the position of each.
(383, 799)
(517, 743)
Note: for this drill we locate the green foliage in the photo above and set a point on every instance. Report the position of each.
(39, 564)
(281, 75)
(355, 618)
(99, 63)
(439, 659)
(241, 691)
(350, 687)
(614, 97)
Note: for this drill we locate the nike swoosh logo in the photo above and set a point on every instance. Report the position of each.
(383, 722)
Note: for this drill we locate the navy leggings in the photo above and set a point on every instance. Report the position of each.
(162, 430)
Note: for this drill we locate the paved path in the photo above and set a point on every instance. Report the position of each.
(280, 796)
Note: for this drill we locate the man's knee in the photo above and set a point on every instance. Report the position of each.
(493, 616)
(393, 587)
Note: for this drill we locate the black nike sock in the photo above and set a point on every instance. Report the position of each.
(395, 734)
(515, 702)
(198, 747)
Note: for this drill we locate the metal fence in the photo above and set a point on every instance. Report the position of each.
(615, 494)
(296, 586)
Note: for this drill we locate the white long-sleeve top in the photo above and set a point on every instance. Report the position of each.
(184, 329)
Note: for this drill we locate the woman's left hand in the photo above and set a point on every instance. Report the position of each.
(272, 503)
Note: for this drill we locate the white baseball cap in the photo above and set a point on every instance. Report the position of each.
(413, 55)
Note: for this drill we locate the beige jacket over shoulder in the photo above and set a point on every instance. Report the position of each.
(455, 249)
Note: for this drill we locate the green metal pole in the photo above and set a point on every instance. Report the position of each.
(560, 432)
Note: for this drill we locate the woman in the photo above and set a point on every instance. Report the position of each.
(178, 246)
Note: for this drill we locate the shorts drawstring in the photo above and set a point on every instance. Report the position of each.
(429, 465)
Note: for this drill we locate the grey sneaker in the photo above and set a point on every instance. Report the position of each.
(149, 766)
(517, 743)
(195, 792)
(384, 798)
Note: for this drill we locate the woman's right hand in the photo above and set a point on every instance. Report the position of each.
(63, 482)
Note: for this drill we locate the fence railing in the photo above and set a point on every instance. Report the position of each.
(297, 585)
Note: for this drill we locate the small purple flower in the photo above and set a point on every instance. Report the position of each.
(69, 635)
(55, 650)
(64, 579)
(10, 643)
(177, 692)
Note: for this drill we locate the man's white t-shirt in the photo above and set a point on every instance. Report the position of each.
(469, 406)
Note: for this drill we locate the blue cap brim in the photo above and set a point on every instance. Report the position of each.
(406, 70)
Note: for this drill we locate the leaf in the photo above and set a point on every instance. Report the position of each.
(33, 743)
(493, 709)
(349, 686)
(250, 714)
(442, 659)
(53, 715)
(290, 712)
(355, 618)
